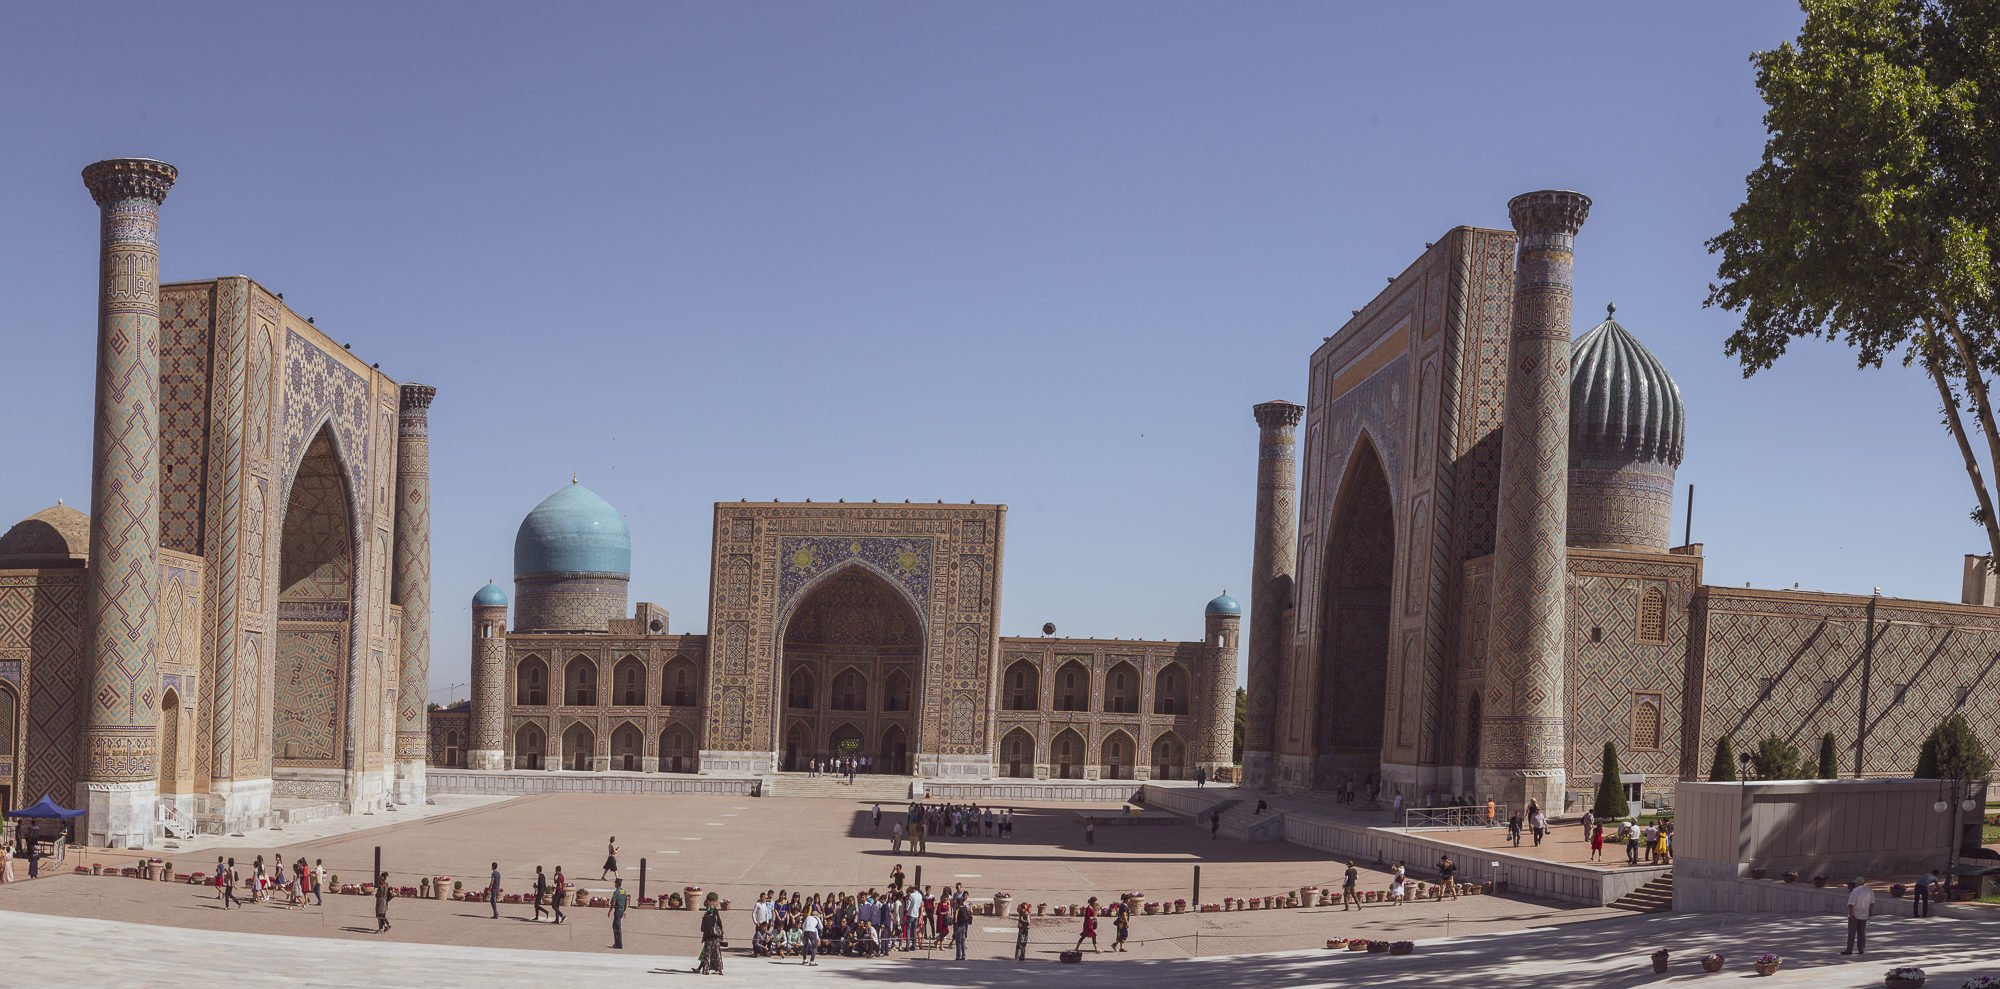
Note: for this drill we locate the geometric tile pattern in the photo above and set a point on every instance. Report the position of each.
(184, 363)
(228, 547)
(318, 386)
(412, 584)
(311, 695)
(42, 628)
(1609, 666)
(1273, 562)
(125, 471)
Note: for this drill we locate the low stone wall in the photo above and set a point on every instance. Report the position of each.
(1098, 792)
(531, 782)
(1707, 886)
(1195, 802)
(1523, 874)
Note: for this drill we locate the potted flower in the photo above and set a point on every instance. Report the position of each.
(1981, 981)
(1897, 890)
(1790, 877)
(693, 896)
(1711, 962)
(674, 900)
(648, 901)
(1180, 906)
(457, 886)
(1766, 963)
(1152, 907)
(1378, 947)
(723, 906)
(1660, 960)
(1336, 943)
(1041, 909)
(1402, 947)
(1907, 977)
(1358, 944)
(1819, 882)
(1757, 873)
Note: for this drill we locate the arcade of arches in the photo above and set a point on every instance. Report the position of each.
(852, 650)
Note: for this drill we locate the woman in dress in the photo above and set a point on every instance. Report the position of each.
(610, 858)
(1597, 843)
(1021, 934)
(1121, 921)
(7, 864)
(1089, 926)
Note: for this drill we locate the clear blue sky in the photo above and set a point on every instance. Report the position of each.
(1039, 254)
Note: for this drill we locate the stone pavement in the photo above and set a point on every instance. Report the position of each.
(1608, 953)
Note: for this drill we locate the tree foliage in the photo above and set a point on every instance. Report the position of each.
(1776, 759)
(1723, 769)
(1872, 218)
(1953, 752)
(1611, 803)
(1829, 757)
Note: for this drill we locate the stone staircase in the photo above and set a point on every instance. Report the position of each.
(885, 790)
(1654, 897)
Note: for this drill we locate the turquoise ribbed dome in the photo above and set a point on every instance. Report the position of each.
(489, 597)
(573, 531)
(1223, 605)
(1623, 405)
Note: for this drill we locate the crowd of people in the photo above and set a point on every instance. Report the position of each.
(922, 821)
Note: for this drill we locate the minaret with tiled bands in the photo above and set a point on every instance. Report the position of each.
(119, 782)
(411, 585)
(1273, 556)
(1523, 751)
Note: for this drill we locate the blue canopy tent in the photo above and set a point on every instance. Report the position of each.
(45, 808)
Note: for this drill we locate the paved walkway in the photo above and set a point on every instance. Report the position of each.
(1610, 954)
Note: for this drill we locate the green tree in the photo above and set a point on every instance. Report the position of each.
(1723, 770)
(1242, 716)
(1776, 759)
(1872, 217)
(1953, 752)
(1829, 757)
(1611, 803)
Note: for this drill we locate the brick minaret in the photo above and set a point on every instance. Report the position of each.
(411, 585)
(119, 782)
(489, 680)
(1523, 750)
(1215, 700)
(1271, 569)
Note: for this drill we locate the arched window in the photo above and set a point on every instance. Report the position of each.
(799, 690)
(627, 750)
(631, 678)
(451, 749)
(1121, 689)
(1653, 616)
(896, 692)
(850, 692)
(528, 746)
(580, 682)
(1024, 687)
(1072, 687)
(531, 682)
(1017, 755)
(1115, 762)
(1169, 757)
(1067, 751)
(9, 713)
(678, 685)
(1646, 721)
(676, 751)
(1170, 690)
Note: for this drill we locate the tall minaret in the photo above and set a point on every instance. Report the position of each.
(411, 585)
(489, 680)
(120, 778)
(1215, 701)
(1271, 568)
(1522, 753)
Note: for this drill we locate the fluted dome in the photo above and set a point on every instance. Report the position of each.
(490, 597)
(57, 536)
(1622, 403)
(573, 531)
(1223, 605)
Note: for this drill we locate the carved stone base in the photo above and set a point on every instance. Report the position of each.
(1258, 768)
(487, 759)
(117, 815)
(236, 805)
(753, 762)
(1516, 788)
(410, 787)
(955, 767)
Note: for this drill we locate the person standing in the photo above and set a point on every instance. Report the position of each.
(961, 927)
(616, 911)
(1121, 922)
(1348, 881)
(1589, 819)
(562, 893)
(1860, 906)
(228, 879)
(1922, 906)
(319, 882)
(1597, 843)
(876, 817)
(1090, 831)
(1089, 926)
(541, 892)
(1021, 933)
(610, 858)
(1448, 876)
(711, 943)
(221, 873)
(895, 836)
(493, 891)
(809, 947)
(7, 864)
(1490, 812)
(382, 898)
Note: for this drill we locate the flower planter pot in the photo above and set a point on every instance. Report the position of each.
(1766, 968)
(1897, 890)
(1358, 944)
(1757, 873)
(1712, 964)
(1402, 947)
(1378, 947)
(1893, 982)
(1336, 943)
(1659, 961)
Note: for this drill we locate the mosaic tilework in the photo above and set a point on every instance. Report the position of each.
(905, 562)
(1273, 565)
(317, 386)
(1353, 661)
(185, 316)
(413, 565)
(227, 502)
(125, 473)
(43, 628)
(1524, 701)
(311, 697)
(318, 540)
(1608, 665)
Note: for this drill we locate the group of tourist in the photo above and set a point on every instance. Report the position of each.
(274, 883)
(922, 821)
(866, 924)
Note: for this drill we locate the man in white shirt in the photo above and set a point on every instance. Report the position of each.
(1860, 906)
(762, 912)
(809, 955)
(915, 905)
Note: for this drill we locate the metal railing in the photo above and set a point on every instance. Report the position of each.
(175, 822)
(1455, 818)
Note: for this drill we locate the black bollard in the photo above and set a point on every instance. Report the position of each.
(1197, 887)
(376, 876)
(919, 880)
(642, 879)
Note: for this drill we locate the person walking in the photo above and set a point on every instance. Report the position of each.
(1201, 777)
(541, 893)
(809, 946)
(610, 858)
(228, 876)
(1121, 922)
(710, 960)
(1348, 894)
(961, 927)
(1630, 833)
(1447, 876)
(382, 898)
(1089, 927)
(562, 892)
(1860, 906)
(895, 837)
(1490, 812)
(876, 817)
(1589, 819)
(319, 882)
(1597, 843)
(616, 911)
(1021, 933)
(221, 871)
(1921, 907)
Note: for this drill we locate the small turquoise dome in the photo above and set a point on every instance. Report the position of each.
(1223, 605)
(489, 597)
(573, 531)
(1623, 405)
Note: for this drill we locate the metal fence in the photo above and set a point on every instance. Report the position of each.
(1455, 818)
